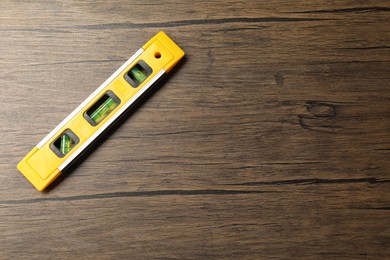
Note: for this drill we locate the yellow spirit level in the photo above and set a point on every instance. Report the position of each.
(45, 162)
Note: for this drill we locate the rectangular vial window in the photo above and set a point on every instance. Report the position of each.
(102, 108)
(64, 143)
(138, 73)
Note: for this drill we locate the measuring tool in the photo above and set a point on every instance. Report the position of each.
(62, 146)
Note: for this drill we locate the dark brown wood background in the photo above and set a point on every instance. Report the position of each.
(270, 140)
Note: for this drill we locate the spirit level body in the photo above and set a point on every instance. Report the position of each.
(45, 162)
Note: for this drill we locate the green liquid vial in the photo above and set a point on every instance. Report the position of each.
(138, 74)
(103, 110)
(66, 144)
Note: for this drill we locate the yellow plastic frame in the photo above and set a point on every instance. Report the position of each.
(41, 165)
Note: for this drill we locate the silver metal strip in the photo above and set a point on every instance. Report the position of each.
(111, 120)
(85, 102)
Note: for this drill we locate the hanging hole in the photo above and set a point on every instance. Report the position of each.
(157, 55)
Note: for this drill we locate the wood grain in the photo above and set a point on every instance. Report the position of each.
(271, 139)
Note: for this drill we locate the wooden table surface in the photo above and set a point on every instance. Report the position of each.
(270, 140)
